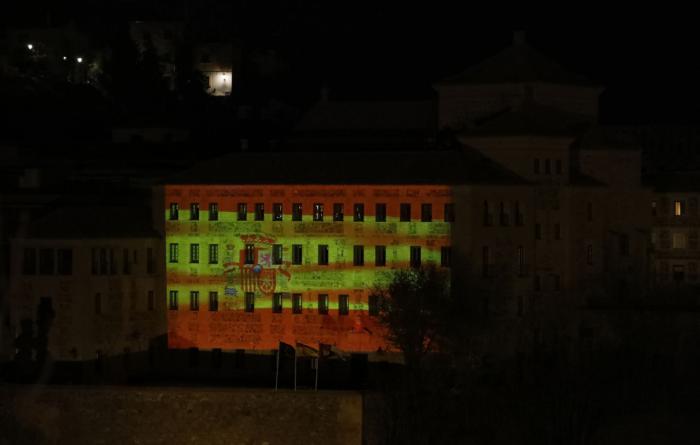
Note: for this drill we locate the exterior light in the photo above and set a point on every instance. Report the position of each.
(79, 59)
(30, 46)
(65, 58)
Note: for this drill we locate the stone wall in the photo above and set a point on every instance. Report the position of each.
(111, 415)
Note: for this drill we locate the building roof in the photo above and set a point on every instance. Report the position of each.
(519, 63)
(607, 138)
(94, 222)
(426, 167)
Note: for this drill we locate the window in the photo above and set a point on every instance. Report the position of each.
(98, 303)
(174, 211)
(373, 303)
(679, 208)
(589, 254)
(95, 261)
(449, 212)
(415, 256)
(343, 304)
(653, 208)
(277, 303)
(194, 300)
(150, 262)
(277, 254)
(537, 166)
(519, 218)
(521, 260)
(297, 254)
(547, 167)
(504, 216)
(249, 302)
(213, 301)
(624, 245)
(488, 219)
(337, 211)
(259, 211)
(323, 254)
(64, 259)
(213, 253)
(380, 212)
(589, 211)
(380, 256)
(318, 211)
(213, 211)
(405, 212)
(46, 261)
(359, 212)
(296, 303)
(172, 300)
(249, 253)
(194, 211)
(537, 285)
(277, 211)
(29, 261)
(679, 241)
(194, 253)
(173, 252)
(112, 262)
(426, 212)
(558, 168)
(358, 255)
(485, 257)
(446, 256)
(104, 267)
(538, 231)
(242, 211)
(323, 304)
(126, 264)
(151, 304)
(296, 211)
(557, 231)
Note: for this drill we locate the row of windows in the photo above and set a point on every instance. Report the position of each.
(297, 254)
(318, 212)
(545, 166)
(104, 261)
(322, 302)
(680, 208)
(504, 215)
(100, 306)
(677, 240)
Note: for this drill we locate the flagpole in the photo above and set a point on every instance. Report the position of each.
(295, 369)
(318, 362)
(277, 369)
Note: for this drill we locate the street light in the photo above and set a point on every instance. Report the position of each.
(65, 58)
(79, 59)
(30, 46)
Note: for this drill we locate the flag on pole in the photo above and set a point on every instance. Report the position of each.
(306, 350)
(286, 350)
(331, 352)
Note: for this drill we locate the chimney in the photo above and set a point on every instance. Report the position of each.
(518, 37)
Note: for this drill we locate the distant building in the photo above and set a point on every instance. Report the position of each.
(216, 62)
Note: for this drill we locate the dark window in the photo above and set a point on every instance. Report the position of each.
(297, 256)
(519, 218)
(485, 257)
(415, 256)
(194, 211)
(323, 254)
(358, 255)
(557, 231)
(296, 303)
(537, 284)
(359, 212)
(98, 303)
(29, 261)
(624, 245)
(126, 264)
(323, 304)
(172, 301)
(538, 231)
(213, 253)
(547, 167)
(194, 300)
(112, 262)
(151, 304)
(373, 303)
(173, 252)
(380, 256)
(242, 211)
(194, 253)
(338, 211)
(380, 212)
(249, 302)
(405, 212)
(65, 261)
(213, 301)
(249, 253)
(589, 211)
(426, 212)
(277, 211)
(296, 211)
(343, 305)
(589, 254)
(259, 211)
(46, 261)
(277, 254)
(104, 266)
(150, 261)
(537, 166)
(213, 211)
(504, 216)
(520, 305)
(449, 212)
(174, 211)
(95, 261)
(277, 303)
(446, 256)
(488, 219)
(521, 260)
(558, 168)
(318, 211)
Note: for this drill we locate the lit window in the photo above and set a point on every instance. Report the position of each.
(679, 241)
(679, 208)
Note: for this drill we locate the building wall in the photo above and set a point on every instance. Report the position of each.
(231, 327)
(121, 321)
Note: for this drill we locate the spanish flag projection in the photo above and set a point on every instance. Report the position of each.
(251, 266)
